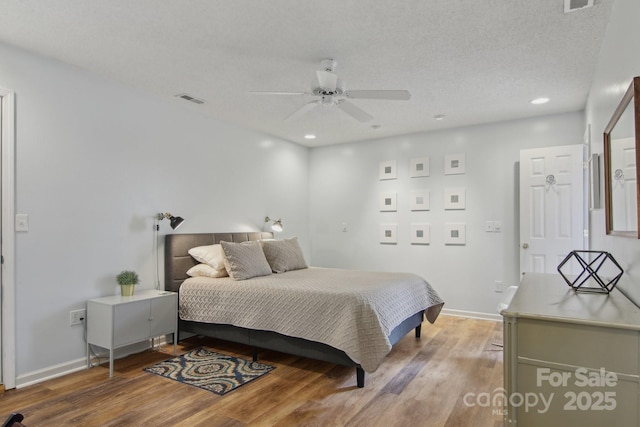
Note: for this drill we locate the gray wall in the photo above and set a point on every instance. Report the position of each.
(344, 187)
(619, 62)
(94, 162)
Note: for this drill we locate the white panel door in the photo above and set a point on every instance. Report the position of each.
(551, 207)
(623, 184)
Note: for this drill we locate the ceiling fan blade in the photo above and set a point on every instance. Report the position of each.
(399, 95)
(278, 93)
(302, 111)
(355, 112)
(327, 80)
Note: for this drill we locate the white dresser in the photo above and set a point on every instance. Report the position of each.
(117, 321)
(570, 359)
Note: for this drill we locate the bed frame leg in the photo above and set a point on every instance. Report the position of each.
(360, 376)
(255, 354)
(418, 331)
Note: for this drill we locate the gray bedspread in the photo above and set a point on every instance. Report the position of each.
(353, 311)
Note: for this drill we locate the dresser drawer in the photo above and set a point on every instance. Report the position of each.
(594, 347)
(573, 404)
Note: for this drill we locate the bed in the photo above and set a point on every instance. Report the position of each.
(368, 334)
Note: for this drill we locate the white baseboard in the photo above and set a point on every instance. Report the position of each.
(51, 372)
(472, 314)
(76, 365)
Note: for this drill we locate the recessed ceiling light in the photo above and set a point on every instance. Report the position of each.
(539, 101)
(439, 117)
(309, 136)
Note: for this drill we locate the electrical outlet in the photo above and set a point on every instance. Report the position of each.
(77, 317)
(499, 286)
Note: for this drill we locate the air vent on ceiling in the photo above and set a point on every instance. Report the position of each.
(573, 5)
(190, 98)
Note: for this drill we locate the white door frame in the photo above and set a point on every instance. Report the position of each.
(7, 148)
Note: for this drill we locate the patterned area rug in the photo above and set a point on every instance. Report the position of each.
(210, 371)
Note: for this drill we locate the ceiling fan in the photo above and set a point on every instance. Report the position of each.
(330, 91)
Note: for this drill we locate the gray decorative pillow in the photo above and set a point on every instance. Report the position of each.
(284, 255)
(245, 260)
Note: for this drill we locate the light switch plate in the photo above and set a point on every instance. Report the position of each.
(22, 222)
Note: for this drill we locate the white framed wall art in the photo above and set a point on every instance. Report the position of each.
(420, 200)
(388, 170)
(419, 167)
(389, 233)
(455, 234)
(455, 198)
(420, 234)
(454, 164)
(388, 202)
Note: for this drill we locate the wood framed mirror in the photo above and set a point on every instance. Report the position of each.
(621, 174)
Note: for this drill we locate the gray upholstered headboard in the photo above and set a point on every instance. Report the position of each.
(177, 259)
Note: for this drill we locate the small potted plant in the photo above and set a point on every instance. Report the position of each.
(127, 280)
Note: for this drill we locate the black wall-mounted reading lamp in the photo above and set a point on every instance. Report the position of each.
(174, 221)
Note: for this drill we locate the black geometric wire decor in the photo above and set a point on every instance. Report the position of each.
(590, 271)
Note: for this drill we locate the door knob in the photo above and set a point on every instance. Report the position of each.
(525, 246)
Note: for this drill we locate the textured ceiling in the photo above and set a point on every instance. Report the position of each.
(472, 61)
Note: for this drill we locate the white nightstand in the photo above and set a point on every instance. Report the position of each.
(117, 321)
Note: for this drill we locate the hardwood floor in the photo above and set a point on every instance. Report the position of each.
(422, 382)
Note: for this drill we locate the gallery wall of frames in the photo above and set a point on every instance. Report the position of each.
(419, 200)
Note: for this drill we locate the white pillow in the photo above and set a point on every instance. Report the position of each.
(205, 270)
(210, 254)
(284, 255)
(245, 260)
